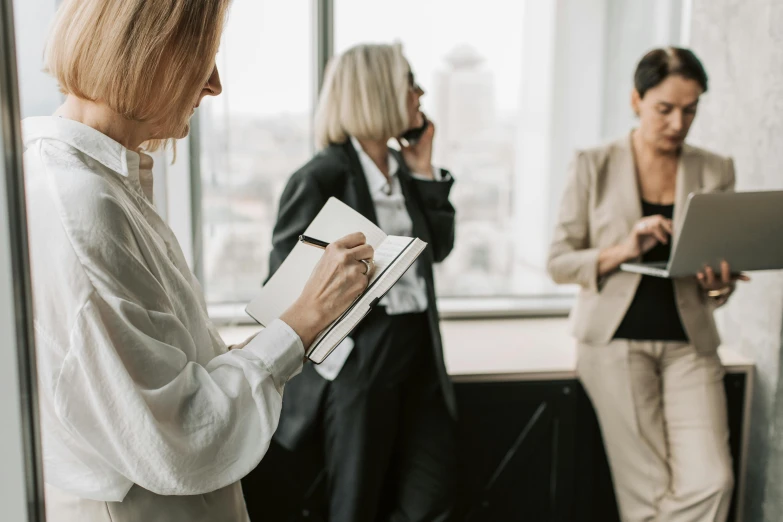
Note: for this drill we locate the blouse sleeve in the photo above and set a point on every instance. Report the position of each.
(170, 425)
(130, 387)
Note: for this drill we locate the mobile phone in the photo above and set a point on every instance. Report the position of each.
(411, 137)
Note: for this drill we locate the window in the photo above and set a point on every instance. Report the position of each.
(471, 69)
(513, 87)
(252, 138)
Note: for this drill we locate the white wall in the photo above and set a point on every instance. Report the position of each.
(532, 179)
(174, 204)
(579, 60)
(580, 71)
(741, 45)
(632, 29)
(563, 71)
(38, 91)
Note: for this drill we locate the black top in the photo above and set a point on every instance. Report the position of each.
(653, 314)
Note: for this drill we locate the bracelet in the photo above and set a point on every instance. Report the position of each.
(715, 294)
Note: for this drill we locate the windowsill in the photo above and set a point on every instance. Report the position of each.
(451, 308)
(510, 349)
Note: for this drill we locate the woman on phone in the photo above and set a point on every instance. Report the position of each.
(383, 397)
(647, 351)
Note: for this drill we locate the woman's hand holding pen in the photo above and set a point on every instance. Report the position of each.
(337, 280)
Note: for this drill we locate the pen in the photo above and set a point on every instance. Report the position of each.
(313, 242)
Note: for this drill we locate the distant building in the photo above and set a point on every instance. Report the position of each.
(478, 147)
(464, 97)
(246, 160)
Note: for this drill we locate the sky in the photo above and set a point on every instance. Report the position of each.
(265, 59)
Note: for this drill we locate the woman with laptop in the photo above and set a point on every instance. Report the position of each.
(647, 346)
(381, 405)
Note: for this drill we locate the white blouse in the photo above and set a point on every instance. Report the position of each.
(136, 385)
(409, 295)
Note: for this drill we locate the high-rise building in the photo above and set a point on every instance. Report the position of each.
(465, 96)
(477, 145)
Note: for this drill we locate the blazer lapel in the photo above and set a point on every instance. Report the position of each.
(688, 180)
(358, 180)
(622, 174)
(411, 203)
(418, 220)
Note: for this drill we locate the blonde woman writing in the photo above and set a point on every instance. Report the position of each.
(146, 415)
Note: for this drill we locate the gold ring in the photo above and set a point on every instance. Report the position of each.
(719, 293)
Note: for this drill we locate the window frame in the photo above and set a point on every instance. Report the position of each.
(479, 307)
(22, 473)
(669, 25)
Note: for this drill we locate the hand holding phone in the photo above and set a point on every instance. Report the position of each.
(411, 137)
(416, 147)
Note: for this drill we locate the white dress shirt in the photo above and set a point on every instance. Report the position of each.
(136, 385)
(409, 295)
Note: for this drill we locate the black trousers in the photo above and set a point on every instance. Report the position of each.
(389, 441)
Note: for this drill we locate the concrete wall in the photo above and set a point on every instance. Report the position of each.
(741, 45)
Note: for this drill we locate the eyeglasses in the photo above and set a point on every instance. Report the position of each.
(412, 82)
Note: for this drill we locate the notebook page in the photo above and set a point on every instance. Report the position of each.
(386, 253)
(330, 338)
(395, 271)
(286, 285)
(337, 220)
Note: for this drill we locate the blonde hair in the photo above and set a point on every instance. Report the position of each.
(145, 59)
(364, 94)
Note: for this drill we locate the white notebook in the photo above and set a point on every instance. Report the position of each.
(393, 256)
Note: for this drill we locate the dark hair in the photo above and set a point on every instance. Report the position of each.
(659, 64)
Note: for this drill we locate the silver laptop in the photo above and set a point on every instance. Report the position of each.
(744, 228)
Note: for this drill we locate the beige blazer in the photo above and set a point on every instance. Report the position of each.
(601, 203)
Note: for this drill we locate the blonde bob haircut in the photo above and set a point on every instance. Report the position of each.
(364, 95)
(147, 60)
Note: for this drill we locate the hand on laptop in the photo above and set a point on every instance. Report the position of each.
(647, 233)
(719, 287)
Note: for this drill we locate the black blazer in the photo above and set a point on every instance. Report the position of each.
(337, 172)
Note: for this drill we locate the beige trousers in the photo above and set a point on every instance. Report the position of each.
(140, 505)
(662, 410)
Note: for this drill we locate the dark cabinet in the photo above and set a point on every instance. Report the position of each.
(529, 450)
